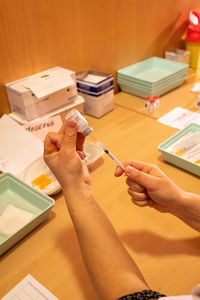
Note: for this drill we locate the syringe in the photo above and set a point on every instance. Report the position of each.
(101, 146)
(84, 128)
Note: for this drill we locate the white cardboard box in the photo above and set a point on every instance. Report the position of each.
(178, 55)
(42, 93)
(97, 90)
(97, 106)
(77, 104)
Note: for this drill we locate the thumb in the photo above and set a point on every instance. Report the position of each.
(70, 135)
(139, 177)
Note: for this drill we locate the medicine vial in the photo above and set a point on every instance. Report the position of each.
(83, 126)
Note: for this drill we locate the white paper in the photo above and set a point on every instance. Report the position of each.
(196, 88)
(13, 218)
(180, 118)
(18, 147)
(40, 129)
(29, 289)
(94, 78)
(46, 85)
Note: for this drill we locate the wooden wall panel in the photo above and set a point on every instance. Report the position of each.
(124, 32)
(104, 35)
(36, 35)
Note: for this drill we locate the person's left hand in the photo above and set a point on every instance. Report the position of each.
(63, 153)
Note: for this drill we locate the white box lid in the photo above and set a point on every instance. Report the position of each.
(44, 83)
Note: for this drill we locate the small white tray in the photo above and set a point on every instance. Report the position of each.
(39, 167)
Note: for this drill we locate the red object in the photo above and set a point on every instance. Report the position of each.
(147, 98)
(151, 100)
(193, 33)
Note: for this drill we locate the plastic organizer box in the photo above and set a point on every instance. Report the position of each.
(177, 160)
(154, 76)
(22, 197)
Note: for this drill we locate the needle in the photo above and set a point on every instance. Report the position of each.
(110, 154)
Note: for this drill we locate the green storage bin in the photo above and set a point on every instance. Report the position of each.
(153, 70)
(15, 192)
(175, 159)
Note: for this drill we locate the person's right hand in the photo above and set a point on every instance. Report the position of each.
(149, 186)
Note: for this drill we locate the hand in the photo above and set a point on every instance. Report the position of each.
(149, 186)
(63, 153)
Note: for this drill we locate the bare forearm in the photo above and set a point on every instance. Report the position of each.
(112, 270)
(189, 210)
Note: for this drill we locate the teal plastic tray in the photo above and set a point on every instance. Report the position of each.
(142, 87)
(157, 92)
(161, 84)
(15, 192)
(175, 159)
(153, 70)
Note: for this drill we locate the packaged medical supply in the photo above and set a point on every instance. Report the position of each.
(178, 55)
(183, 149)
(97, 90)
(152, 104)
(39, 94)
(196, 90)
(186, 142)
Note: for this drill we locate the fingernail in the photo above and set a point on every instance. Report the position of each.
(71, 124)
(51, 147)
(128, 170)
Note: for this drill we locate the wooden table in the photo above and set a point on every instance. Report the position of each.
(166, 250)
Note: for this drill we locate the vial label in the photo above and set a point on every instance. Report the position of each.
(83, 126)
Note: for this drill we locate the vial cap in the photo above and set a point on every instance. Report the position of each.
(87, 131)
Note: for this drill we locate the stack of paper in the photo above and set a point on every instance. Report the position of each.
(18, 147)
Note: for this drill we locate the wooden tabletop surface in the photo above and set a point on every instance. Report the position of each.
(165, 249)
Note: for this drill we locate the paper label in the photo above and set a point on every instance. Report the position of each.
(41, 129)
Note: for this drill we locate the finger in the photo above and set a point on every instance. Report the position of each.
(70, 136)
(141, 166)
(134, 186)
(138, 196)
(143, 179)
(140, 203)
(62, 129)
(51, 148)
(119, 171)
(80, 137)
(81, 155)
(52, 143)
(144, 167)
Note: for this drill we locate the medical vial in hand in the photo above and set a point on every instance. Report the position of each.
(83, 126)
